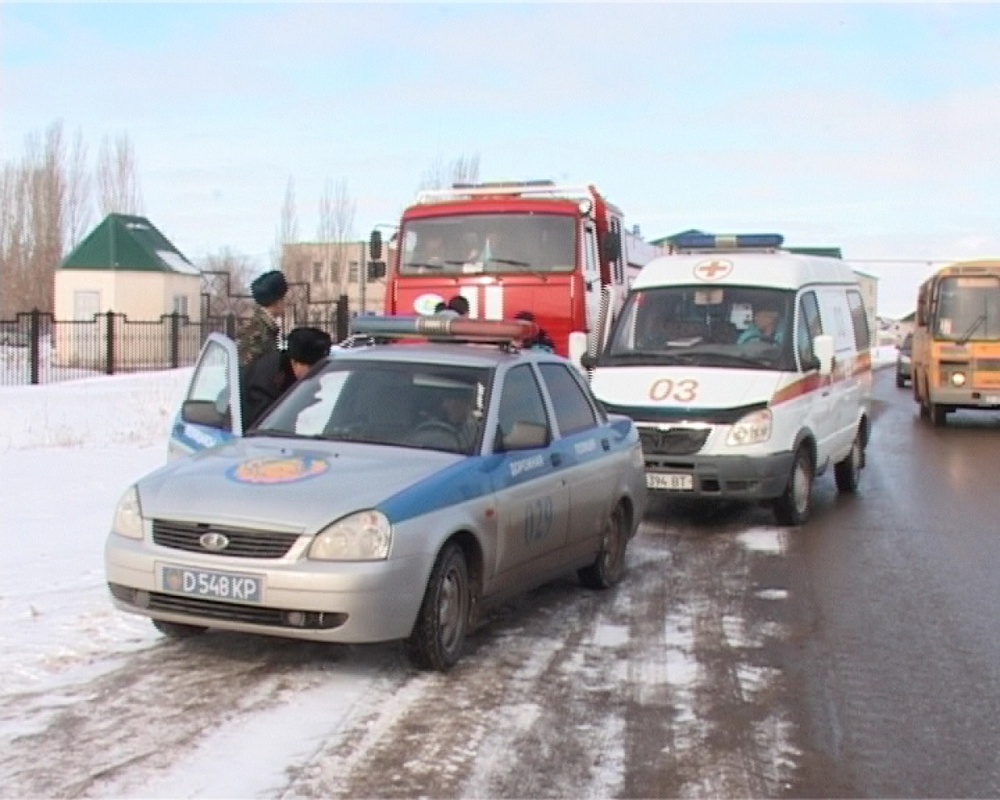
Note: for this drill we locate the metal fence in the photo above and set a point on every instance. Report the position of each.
(37, 348)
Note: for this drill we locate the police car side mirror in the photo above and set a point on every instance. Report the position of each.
(823, 348)
(204, 412)
(525, 436)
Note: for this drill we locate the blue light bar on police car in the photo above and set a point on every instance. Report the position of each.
(498, 331)
(737, 241)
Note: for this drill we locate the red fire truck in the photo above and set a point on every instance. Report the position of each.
(559, 252)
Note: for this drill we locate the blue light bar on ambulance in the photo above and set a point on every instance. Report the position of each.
(459, 329)
(737, 241)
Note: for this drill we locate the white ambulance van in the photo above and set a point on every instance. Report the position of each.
(747, 369)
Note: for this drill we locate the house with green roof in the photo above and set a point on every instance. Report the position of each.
(127, 266)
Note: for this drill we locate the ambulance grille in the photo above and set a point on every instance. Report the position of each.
(673, 441)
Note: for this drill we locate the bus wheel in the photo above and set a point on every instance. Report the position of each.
(792, 508)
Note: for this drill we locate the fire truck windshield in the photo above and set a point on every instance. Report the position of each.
(489, 243)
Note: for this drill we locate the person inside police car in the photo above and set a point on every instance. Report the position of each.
(268, 377)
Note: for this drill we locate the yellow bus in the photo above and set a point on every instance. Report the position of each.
(956, 340)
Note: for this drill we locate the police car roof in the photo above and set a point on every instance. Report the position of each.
(457, 353)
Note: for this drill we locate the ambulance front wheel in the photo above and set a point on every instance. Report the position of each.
(792, 508)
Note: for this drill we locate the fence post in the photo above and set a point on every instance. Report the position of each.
(109, 349)
(175, 345)
(35, 328)
(342, 318)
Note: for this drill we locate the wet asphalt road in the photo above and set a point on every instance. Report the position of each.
(893, 657)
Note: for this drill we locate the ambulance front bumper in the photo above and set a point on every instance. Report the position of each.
(730, 477)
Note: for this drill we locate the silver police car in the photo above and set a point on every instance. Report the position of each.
(394, 493)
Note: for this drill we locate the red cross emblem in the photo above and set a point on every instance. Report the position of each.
(713, 270)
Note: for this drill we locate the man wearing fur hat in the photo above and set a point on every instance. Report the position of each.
(269, 376)
(261, 334)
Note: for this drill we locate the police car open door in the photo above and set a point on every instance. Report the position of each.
(210, 413)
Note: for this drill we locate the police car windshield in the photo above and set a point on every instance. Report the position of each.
(738, 326)
(404, 404)
(489, 243)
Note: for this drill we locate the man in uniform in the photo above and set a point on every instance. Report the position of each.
(269, 376)
(263, 332)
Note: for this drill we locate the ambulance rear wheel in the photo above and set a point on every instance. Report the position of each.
(847, 473)
(792, 508)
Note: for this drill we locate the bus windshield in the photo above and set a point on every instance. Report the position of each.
(731, 326)
(968, 307)
(489, 243)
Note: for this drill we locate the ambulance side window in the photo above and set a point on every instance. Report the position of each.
(809, 327)
(859, 319)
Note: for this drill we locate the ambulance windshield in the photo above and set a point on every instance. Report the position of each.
(489, 243)
(732, 326)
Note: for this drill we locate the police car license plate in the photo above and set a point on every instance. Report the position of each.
(671, 481)
(229, 586)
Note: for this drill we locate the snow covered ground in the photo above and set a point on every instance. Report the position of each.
(67, 452)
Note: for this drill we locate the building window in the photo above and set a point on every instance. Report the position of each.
(352, 272)
(317, 271)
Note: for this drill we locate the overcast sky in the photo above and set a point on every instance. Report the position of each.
(871, 127)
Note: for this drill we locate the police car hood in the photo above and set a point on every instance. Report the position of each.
(688, 387)
(284, 484)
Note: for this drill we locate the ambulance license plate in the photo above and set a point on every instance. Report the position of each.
(670, 481)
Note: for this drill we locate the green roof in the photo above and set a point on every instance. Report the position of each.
(668, 240)
(830, 252)
(123, 242)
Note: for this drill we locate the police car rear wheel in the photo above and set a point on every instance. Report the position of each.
(178, 630)
(609, 566)
(792, 508)
(439, 633)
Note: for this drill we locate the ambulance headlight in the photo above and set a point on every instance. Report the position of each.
(128, 515)
(958, 379)
(364, 536)
(753, 428)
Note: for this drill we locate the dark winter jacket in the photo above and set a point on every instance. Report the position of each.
(263, 381)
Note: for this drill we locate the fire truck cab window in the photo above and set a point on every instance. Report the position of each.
(489, 243)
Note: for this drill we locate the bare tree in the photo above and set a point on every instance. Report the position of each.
(336, 230)
(226, 282)
(442, 174)
(117, 178)
(288, 230)
(78, 195)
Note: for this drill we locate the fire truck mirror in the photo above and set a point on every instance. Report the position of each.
(611, 246)
(375, 245)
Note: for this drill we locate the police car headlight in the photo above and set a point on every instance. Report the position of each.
(958, 379)
(754, 428)
(364, 536)
(128, 515)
